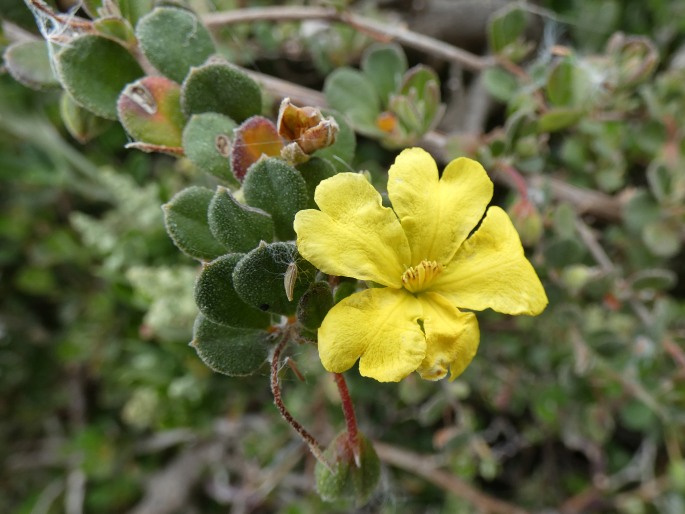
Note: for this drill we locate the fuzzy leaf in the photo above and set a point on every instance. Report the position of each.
(29, 64)
(262, 278)
(150, 111)
(217, 300)
(117, 29)
(94, 70)
(228, 350)
(314, 171)
(82, 124)
(207, 143)
(185, 217)
(220, 87)
(279, 189)
(384, 65)
(174, 40)
(314, 305)
(238, 227)
(351, 92)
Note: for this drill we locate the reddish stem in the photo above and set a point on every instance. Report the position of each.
(350, 418)
(308, 438)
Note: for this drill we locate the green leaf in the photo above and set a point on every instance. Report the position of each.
(558, 119)
(559, 85)
(505, 27)
(351, 92)
(228, 350)
(82, 124)
(238, 227)
(217, 299)
(271, 273)
(640, 210)
(654, 279)
(564, 252)
(421, 86)
(185, 217)
(207, 143)
(341, 153)
(500, 83)
(667, 183)
(92, 7)
(279, 189)
(94, 70)
(314, 171)
(174, 40)
(384, 65)
(116, 28)
(29, 64)
(662, 238)
(314, 305)
(220, 87)
(134, 10)
(150, 111)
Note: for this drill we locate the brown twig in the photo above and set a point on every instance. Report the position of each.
(421, 465)
(376, 29)
(308, 438)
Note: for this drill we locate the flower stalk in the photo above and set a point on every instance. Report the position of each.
(309, 439)
(350, 418)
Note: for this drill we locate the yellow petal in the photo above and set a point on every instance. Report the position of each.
(491, 271)
(437, 214)
(452, 338)
(353, 235)
(380, 326)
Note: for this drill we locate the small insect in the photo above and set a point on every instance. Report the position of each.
(289, 280)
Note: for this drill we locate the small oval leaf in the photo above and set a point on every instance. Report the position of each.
(259, 277)
(232, 351)
(150, 111)
(207, 143)
(238, 227)
(217, 300)
(185, 217)
(174, 40)
(279, 189)
(29, 64)
(220, 87)
(94, 70)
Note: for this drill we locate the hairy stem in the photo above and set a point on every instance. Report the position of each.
(350, 418)
(308, 438)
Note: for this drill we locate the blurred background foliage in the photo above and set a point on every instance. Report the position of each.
(105, 408)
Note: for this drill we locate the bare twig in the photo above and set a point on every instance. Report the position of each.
(422, 466)
(169, 489)
(374, 28)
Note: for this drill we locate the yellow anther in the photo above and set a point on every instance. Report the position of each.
(418, 278)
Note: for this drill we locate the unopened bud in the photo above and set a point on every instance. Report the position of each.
(354, 472)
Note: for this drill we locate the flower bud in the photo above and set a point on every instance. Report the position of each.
(354, 472)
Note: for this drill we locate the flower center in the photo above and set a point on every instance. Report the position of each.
(417, 278)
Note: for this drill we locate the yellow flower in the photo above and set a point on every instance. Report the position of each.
(423, 253)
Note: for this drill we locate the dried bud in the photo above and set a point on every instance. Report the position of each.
(306, 127)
